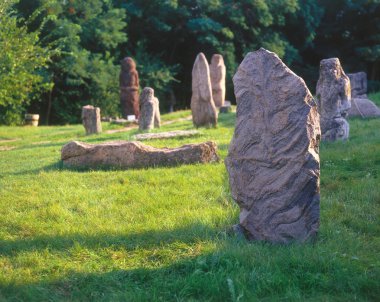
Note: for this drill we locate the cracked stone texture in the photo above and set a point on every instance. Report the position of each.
(273, 158)
(218, 79)
(129, 88)
(333, 95)
(126, 155)
(91, 119)
(202, 104)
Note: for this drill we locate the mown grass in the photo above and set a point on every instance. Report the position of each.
(162, 234)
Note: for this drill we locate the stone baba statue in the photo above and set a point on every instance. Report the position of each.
(129, 88)
(273, 158)
(150, 111)
(91, 119)
(218, 79)
(202, 104)
(361, 106)
(334, 100)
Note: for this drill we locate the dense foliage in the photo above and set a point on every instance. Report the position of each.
(164, 37)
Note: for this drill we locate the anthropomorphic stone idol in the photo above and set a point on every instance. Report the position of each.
(361, 106)
(334, 100)
(273, 158)
(218, 79)
(202, 104)
(149, 111)
(129, 88)
(91, 119)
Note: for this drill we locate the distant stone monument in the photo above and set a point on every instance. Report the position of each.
(202, 104)
(361, 106)
(334, 100)
(218, 79)
(91, 119)
(273, 158)
(31, 119)
(129, 88)
(150, 111)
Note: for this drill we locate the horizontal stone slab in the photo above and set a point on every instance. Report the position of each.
(125, 155)
(163, 135)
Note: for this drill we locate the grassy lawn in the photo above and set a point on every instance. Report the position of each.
(162, 234)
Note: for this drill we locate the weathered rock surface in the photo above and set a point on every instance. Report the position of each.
(358, 82)
(91, 119)
(218, 79)
(363, 107)
(129, 88)
(273, 158)
(334, 100)
(150, 110)
(125, 155)
(202, 104)
(163, 135)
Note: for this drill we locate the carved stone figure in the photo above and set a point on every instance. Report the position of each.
(126, 155)
(129, 88)
(218, 79)
(358, 82)
(334, 100)
(273, 158)
(91, 119)
(150, 111)
(202, 104)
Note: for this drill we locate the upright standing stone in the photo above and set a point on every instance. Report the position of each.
(157, 114)
(150, 110)
(361, 106)
(334, 100)
(91, 119)
(273, 158)
(358, 82)
(218, 79)
(202, 104)
(32, 119)
(129, 88)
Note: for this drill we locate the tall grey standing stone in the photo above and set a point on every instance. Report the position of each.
(334, 100)
(149, 111)
(361, 106)
(91, 119)
(218, 79)
(202, 104)
(273, 158)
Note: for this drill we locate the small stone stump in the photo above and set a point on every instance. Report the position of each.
(334, 100)
(218, 79)
(91, 119)
(129, 88)
(149, 111)
(361, 106)
(226, 107)
(31, 119)
(202, 104)
(273, 158)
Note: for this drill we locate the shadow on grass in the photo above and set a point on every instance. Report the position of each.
(148, 239)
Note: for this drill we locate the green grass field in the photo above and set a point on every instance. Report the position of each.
(162, 234)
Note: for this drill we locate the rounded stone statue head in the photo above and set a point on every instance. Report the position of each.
(217, 60)
(128, 64)
(146, 95)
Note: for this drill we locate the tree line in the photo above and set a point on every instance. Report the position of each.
(58, 55)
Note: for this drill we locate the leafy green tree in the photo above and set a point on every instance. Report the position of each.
(21, 65)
